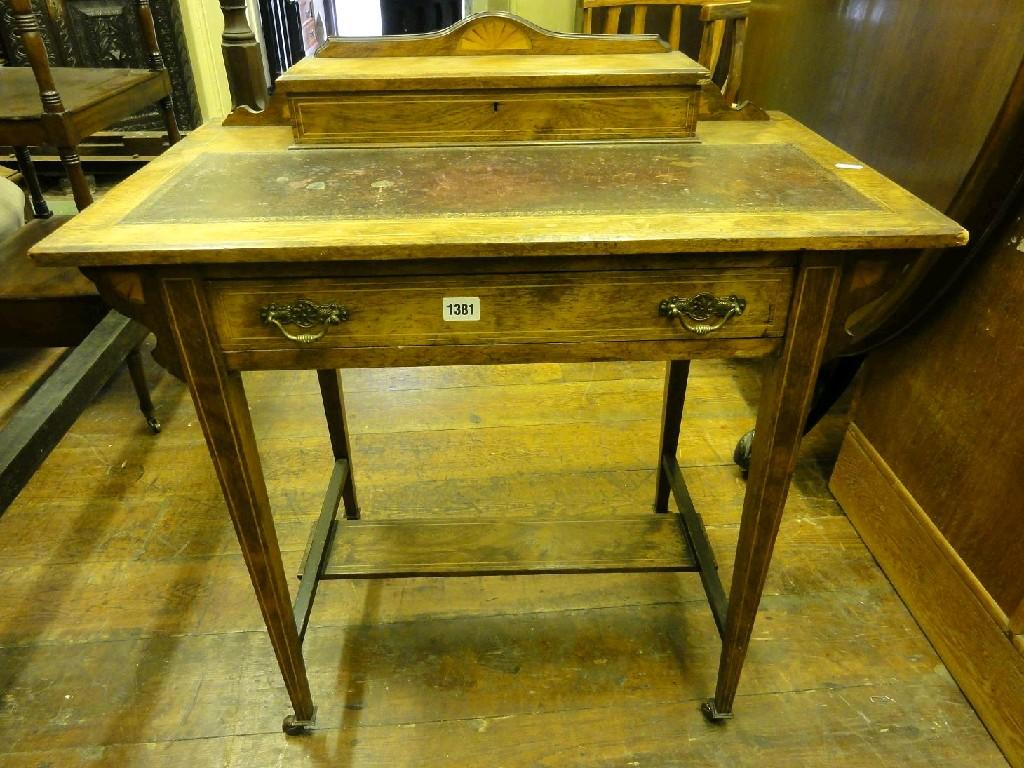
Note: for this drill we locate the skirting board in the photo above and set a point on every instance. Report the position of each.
(967, 631)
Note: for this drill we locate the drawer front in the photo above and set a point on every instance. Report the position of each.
(521, 308)
(494, 116)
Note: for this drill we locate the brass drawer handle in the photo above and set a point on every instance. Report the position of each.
(305, 314)
(694, 314)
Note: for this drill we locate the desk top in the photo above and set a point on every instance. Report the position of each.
(239, 194)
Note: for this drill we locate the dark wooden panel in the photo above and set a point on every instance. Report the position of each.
(958, 620)
(944, 409)
(910, 86)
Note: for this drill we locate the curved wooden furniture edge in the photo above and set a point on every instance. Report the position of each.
(490, 33)
(127, 291)
(276, 113)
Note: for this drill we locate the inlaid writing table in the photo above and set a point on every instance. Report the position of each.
(244, 249)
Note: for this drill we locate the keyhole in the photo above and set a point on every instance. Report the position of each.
(495, 106)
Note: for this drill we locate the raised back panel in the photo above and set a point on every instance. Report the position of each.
(488, 33)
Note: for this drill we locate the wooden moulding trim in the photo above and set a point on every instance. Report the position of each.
(487, 354)
(447, 85)
(961, 620)
(932, 531)
(54, 252)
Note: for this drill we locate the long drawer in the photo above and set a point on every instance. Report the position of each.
(521, 308)
(495, 115)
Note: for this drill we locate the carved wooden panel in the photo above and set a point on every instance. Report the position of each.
(58, 47)
(104, 33)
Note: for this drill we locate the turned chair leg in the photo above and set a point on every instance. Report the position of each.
(167, 112)
(35, 190)
(79, 184)
(144, 17)
(134, 361)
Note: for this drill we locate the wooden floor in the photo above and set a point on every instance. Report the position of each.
(129, 634)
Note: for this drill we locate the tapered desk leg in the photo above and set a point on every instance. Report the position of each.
(334, 409)
(223, 413)
(785, 398)
(676, 373)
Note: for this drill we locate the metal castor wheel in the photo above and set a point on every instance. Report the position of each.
(154, 424)
(712, 715)
(295, 727)
(741, 454)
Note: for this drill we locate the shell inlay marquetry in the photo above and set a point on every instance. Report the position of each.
(494, 34)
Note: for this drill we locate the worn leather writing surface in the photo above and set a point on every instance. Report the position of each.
(393, 183)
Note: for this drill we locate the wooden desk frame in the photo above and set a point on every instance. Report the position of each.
(759, 214)
(215, 382)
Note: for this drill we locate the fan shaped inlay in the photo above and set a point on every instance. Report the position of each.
(494, 35)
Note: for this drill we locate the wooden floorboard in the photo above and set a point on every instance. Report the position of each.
(129, 635)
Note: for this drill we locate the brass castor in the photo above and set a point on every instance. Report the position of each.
(154, 424)
(712, 714)
(295, 727)
(741, 456)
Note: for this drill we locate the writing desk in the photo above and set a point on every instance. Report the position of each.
(243, 252)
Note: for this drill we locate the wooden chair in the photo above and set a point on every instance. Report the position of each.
(717, 20)
(60, 106)
(48, 307)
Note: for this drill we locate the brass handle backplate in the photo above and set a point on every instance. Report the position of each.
(702, 313)
(306, 315)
